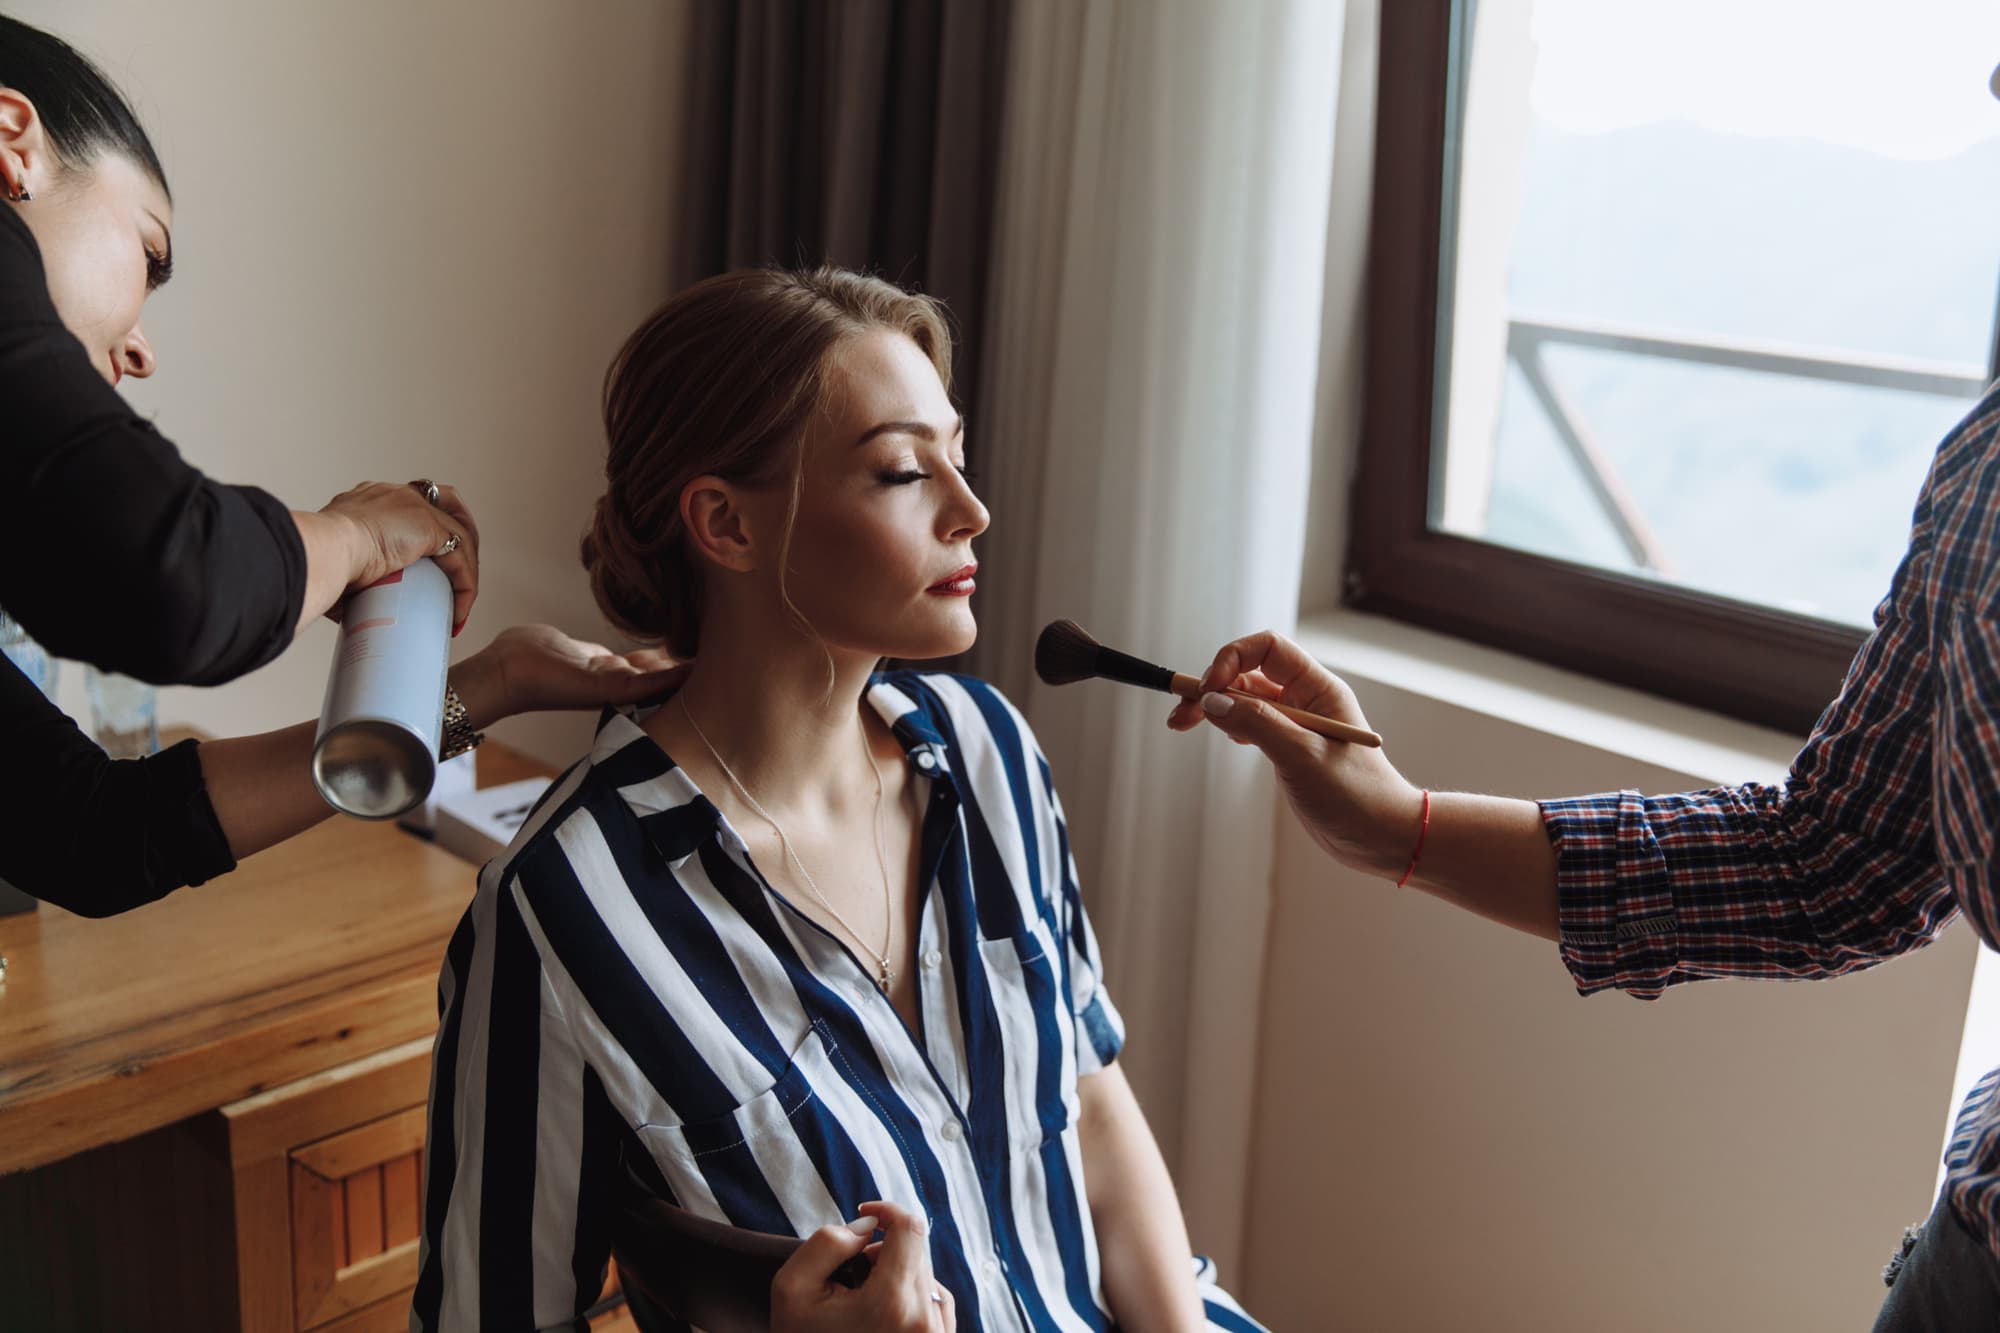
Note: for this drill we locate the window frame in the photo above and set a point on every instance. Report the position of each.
(1760, 664)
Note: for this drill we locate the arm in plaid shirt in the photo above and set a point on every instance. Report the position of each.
(1885, 828)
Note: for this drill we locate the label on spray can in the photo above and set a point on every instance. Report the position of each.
(376, 752)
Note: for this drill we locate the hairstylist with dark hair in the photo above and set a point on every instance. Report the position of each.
(116, 552)
(162, 573)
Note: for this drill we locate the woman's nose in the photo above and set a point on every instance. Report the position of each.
(969, 518)
(137, 355)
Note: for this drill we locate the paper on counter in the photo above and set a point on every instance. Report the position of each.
(478, 825)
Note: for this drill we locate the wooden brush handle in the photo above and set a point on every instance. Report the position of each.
(1189, 687)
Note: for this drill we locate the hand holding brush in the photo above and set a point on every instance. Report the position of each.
(1065, 652)
(1489, 854)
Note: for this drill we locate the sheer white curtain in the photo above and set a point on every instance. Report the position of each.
(1147, 416)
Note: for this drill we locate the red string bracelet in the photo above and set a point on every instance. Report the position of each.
(1422, 832)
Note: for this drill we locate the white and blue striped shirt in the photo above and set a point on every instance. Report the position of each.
(627, 988)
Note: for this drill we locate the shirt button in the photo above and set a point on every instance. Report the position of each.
(926, 760)
(948, 1131)
(862, 992)
(992, 1267)
(933, 960)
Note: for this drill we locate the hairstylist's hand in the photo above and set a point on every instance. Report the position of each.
(533, 667)
(390, 526)
(900, 1295)
(1350, 797)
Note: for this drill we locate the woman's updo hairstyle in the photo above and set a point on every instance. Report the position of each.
(722, 380)
(82, 112)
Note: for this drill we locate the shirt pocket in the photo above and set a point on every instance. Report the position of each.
(770, 1145)
(1037, 1036)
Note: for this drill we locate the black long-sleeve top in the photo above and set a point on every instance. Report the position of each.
(90, 833)
(115, 551)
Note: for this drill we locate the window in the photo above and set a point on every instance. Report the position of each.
(1669, 307)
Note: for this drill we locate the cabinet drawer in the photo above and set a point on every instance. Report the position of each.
(356, 1201)
(327, 1196)
(328, 1176)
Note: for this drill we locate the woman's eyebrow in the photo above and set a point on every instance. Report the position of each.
(922, 430)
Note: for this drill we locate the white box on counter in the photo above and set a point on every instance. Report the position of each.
(478, 825)
(455, 777)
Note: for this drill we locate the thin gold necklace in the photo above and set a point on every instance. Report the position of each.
(887, 975)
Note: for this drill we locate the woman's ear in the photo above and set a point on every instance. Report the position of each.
(718, 523)
(24, 148)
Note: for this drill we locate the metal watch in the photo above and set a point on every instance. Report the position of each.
(458, 734)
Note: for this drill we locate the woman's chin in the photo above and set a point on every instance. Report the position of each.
(928, 642)
(923, 633)
(961, 635)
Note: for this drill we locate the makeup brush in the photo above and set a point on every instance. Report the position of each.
(1066, 653)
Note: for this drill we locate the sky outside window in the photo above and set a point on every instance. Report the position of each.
(1821, 175)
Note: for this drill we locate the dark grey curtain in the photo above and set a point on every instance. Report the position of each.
(863, 133)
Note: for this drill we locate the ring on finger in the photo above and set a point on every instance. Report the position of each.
(450, 545)
(937, 1297)
(427, 488)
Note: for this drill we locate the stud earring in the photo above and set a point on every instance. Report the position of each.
(21, 195)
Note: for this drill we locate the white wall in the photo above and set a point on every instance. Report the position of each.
(1448, 1138)
(408, 238)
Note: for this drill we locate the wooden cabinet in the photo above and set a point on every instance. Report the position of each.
(356, 1200)
(296, 1210)
(332, 1164)
(211, 1108)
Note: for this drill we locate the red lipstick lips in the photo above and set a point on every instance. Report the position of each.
(958, 585)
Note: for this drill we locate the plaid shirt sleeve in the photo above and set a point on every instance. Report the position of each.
(1967, 761)
(1840, 867)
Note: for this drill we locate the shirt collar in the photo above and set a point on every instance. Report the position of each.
(671, 808)
(923, 744)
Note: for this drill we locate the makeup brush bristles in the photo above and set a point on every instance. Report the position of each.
(1065, 653)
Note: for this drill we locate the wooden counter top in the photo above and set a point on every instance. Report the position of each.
(312, 953)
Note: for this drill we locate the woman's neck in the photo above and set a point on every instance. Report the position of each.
(763, 704)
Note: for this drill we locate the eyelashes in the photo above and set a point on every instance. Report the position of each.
(908, 475)
(159, 268)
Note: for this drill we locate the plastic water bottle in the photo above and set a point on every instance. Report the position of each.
(124, 713)
(33, 659)
(39, 667)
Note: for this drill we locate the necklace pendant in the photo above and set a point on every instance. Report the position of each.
(885, 979)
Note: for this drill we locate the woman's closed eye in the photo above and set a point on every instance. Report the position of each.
(159, 268)
(904, 476)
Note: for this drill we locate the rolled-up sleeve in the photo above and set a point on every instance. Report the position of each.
(1732, 882)
(89, 833)
(1834, 870)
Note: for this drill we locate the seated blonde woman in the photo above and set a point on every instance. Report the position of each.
(801, 946)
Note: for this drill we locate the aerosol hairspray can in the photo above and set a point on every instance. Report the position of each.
(376, 753)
